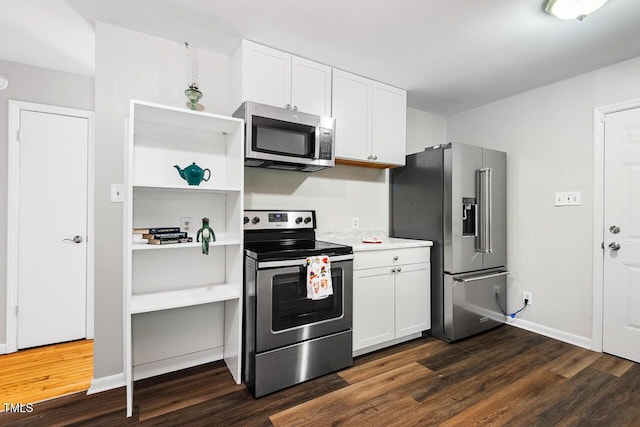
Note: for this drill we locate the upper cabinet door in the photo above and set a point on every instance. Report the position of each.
(352, 111)
(310, 86)
(266, 75)
(389, 124)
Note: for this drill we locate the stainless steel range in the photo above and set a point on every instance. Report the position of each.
(288, 336)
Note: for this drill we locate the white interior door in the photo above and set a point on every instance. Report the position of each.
(52, 230)
(621, 320)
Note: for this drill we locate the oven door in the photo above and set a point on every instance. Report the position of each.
(284, 314)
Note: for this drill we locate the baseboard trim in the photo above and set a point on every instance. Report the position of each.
(3, 348)
(101, 384)
(552, 333)
(151, 369)
(385, 344)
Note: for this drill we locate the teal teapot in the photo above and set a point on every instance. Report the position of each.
(193, 174)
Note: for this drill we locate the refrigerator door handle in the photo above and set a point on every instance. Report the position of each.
(484, 191)
(476, 278)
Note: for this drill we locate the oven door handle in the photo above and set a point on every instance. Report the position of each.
(300, 261)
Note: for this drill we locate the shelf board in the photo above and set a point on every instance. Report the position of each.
(145, 303)
(143, 246)
(179, 117)
(186, 187)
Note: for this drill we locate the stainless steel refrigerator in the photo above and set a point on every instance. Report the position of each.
(455, 195)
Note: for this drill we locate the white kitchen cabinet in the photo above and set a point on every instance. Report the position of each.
(412, 298)
(182, 307)
(391, 298)
(370, 121)
(373, 307)
(273, 77)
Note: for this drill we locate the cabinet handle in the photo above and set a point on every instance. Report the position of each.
(393, 270)
(288, 106)
(375, 157)
(295, 108)
(399, 269)
(395, 258)
(370, 157)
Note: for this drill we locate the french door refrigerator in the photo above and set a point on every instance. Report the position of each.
(455, 195)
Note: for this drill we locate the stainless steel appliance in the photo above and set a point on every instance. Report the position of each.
(289, 338)
(455, 195)
(280, 138)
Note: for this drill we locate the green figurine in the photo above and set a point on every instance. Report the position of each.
(207, 235)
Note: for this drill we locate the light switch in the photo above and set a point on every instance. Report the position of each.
(560, 199)
(117, 193)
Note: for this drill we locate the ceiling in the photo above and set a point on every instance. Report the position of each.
(451, 55)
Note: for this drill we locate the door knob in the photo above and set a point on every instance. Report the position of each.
(614, 246)
(614, 229)
(76, 239)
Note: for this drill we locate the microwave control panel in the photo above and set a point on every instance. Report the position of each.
(326, 144)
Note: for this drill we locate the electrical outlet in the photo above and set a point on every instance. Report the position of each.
(496, 290)
(527, 296)
(354, 222)
(185, 224)
(573, 198)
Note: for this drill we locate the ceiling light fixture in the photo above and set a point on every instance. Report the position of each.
(4, 82)
(572, 9)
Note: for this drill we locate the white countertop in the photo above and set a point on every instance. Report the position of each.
(354, 239)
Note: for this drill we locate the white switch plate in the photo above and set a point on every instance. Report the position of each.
(568, 198)
(117, 193)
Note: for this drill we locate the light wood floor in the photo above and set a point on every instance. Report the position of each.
(37, 374)
(507, 376)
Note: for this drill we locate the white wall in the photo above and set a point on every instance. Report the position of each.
(424, 130)
(549, 139)
(39, 85)
(337, 195)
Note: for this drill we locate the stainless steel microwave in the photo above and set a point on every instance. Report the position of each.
(278, 138)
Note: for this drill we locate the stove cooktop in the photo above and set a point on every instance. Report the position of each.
(280, 250)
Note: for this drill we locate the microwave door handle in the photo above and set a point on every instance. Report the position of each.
(316, 144)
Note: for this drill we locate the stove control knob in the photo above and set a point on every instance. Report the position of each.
(255, 220)
(298, 220)
(246, 219)
(307, 220)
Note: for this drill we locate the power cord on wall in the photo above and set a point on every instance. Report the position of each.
(512, 315)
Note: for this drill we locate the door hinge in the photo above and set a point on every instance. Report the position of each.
(17, 309)
(18, 135)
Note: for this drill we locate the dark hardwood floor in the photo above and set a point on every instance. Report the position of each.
(507, 376)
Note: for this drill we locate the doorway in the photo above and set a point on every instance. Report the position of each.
(616, 311)
(50, 225)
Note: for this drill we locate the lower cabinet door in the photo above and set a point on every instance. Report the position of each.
(373, 307)
(413, 299)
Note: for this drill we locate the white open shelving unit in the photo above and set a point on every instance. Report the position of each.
(182, 307)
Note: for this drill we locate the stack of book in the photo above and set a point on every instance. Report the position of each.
(163, 235)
